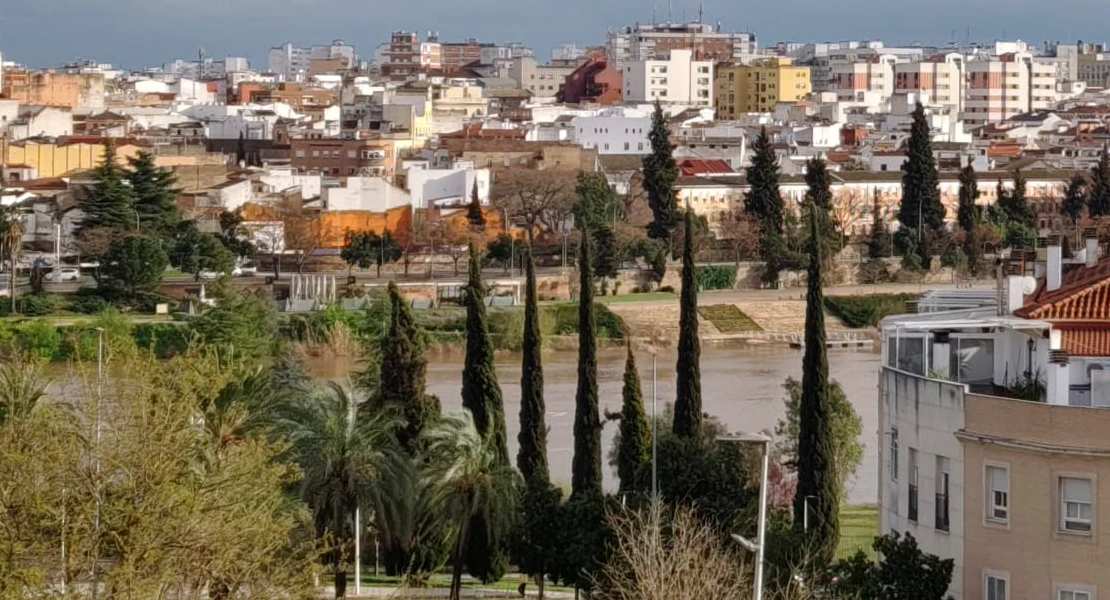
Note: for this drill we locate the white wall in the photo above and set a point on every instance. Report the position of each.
(372, 194)
(678, 79)
(278, 180)
(49, 122)
(233, 196)
(9, 110)
(926, 414)
(613, 135)
(446, 186)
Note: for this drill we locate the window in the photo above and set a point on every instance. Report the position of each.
(640, 146)
(912, 512)
(350, 154)
(315, 154)
(627, 145)
(1073, 594)
(1076, 500)
(942, 494)
(995, 588)
(998, 494)
(300, 153)
(894, 455)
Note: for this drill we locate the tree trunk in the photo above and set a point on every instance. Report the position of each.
(459, 558)
(379, 270)
(539, 585)
(456, 265)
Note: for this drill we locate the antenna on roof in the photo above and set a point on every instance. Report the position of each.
(701, 11)
(670, 11)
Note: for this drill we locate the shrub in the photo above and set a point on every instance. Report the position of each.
(667, 289)
(714, 277)
(562, 319)
(39, 339)
(165, 340)
(39, 305)
(506, 329)
(867, 311)
(88, 304)
(874, 270)
(954, 258)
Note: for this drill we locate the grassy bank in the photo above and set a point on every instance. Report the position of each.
(859, 524)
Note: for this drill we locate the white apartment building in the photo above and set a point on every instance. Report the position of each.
(941, 77)
(644, 41)
(678, 79)
(612, 134)
(1011, 84)
(291, 63)
(867, 83)
(544, 81)
(446, 187)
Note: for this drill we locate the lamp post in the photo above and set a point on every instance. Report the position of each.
(764, 443)
(96, 463)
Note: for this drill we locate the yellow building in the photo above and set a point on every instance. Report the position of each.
(759, 86)
(55, 158)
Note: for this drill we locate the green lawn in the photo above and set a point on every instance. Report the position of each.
(859, 524)
(728, 318)
(649, 297)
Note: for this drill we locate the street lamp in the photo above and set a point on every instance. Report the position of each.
(96, 516)
(759, 545)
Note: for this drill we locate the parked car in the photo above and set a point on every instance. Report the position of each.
(209, 275)
(245, 270)
(64, 274)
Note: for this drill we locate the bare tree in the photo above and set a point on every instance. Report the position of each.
(539, 198)
(305, 231)
(741, 232)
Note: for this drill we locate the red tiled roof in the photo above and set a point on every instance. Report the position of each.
(1084, 295)
(693, 166)
(1086, 341)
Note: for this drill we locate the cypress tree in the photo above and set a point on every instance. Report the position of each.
(687, 405)
(921, 207)
(1098, 203)
(660, 173)
(155, 193)
(967, 214)
(586, 464)
(531, 459)
(764, 202)
(241, 151)
(109, 203)
(474, 212)
(635, 432)
(481, 392)
(817, 479)
(403, 372)
(1016, 205)
(1075, 198)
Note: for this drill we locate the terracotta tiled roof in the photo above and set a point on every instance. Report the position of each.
(1084, 295)
(1086, 341)
(693, 166)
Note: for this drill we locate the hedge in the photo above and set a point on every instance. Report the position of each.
(866, 311)
(716, 277)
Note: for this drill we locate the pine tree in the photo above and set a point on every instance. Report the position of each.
(817, 489)
(155, 193)
(531, 459)
(967, 213)
(1016, 205)
(764, 202)
(474, 212)
(1075, 199)
(586, 464)
(109, 203)
(687, 405)
(1098, 204)
(660, 173)
(921, 208)
(635, 432)
(403, 372)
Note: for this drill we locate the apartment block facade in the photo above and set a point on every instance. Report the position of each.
(1010, 85)
(677, 79)
(759, 87)
(293, 63)
(344, 158)
(869, 82)
(643, 41)
(542, 80)
(941, 78)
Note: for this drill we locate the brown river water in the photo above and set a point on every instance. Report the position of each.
(741, 385)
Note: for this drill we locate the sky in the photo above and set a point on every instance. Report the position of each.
(138, 33)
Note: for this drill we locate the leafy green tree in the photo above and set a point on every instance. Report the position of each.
(607, 253)
(473, 483)
(903, 572)
(921, 208)
(1015, 204)
(688, 415)
(1075, 199)
(532, 457)
(597, 203)
(500, 250)
(879, 242)
(232, 235)
(134, 266)
(474, 214)
(1098, 202)
(967, 212)
(818, 489)
(660, 173)
(764, 202)
(155, 193)
(486, 553)
(845, 424)
(358, 249)
(582, 539)
(348, 460)
(194, 252)
(586, 464)
(634, 438)
(240, 324)
(654, 253)
(537, 543)
(110, 202)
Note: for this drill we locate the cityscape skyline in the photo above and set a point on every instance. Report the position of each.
(157, 34)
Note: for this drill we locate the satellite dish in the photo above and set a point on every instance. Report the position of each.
(1028, 285)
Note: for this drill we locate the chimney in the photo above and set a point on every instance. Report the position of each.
(1015, 297)
(1092, 247)
(1055, 266)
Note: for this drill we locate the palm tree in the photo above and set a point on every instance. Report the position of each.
(21, 389)
(470, 478)
(348, 459)
(12, 229)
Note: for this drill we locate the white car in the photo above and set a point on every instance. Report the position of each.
(209, 275)
(64, 274)
(245, 271)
